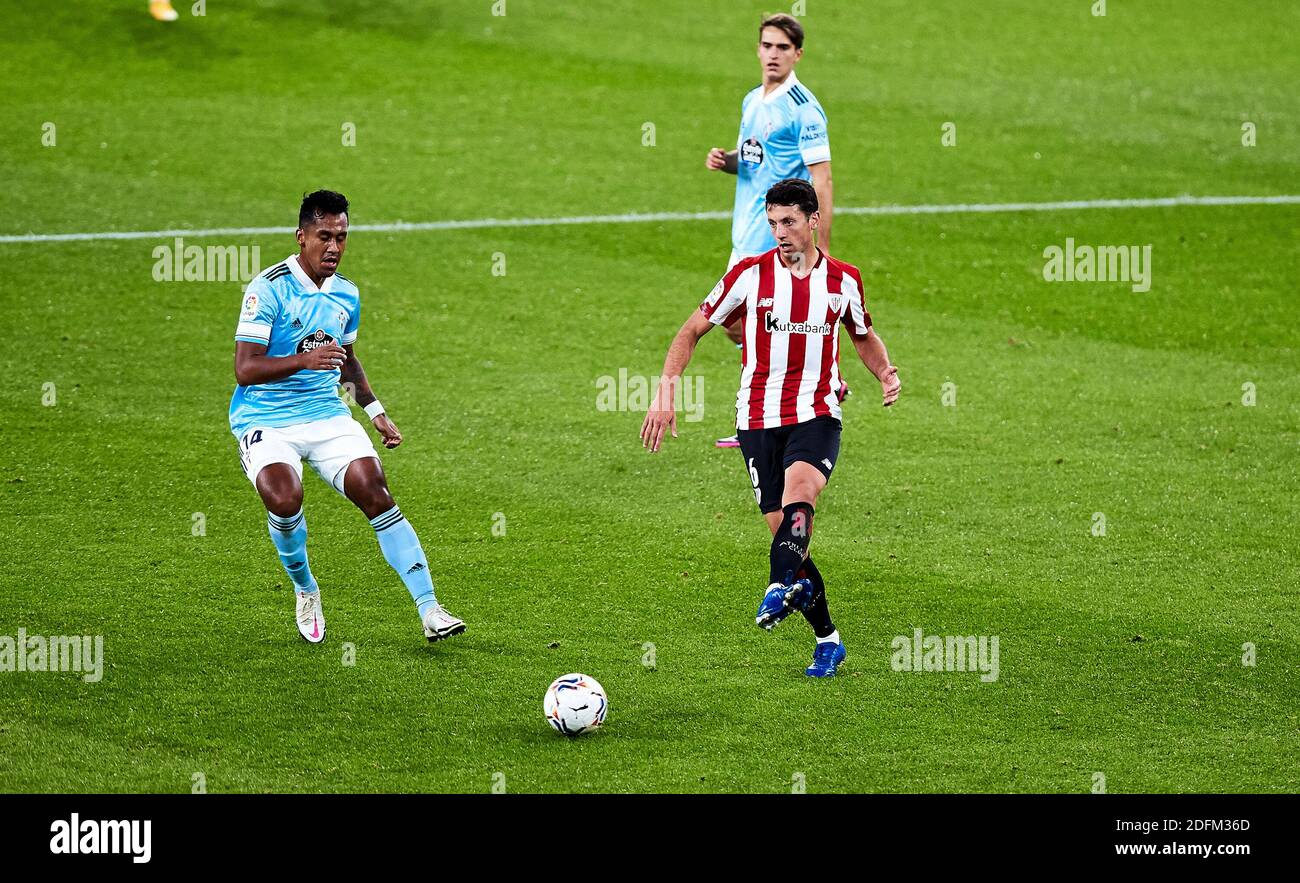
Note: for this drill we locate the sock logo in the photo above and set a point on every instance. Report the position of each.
(416, 567)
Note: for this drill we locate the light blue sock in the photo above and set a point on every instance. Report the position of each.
(290, 538)
(402, 551)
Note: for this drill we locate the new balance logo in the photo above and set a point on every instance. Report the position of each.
(416, 567)
(764, 302)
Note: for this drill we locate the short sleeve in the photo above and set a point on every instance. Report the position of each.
(814, 141)
(729, 295)
(354, 322)
(856, 316)
(258, 313)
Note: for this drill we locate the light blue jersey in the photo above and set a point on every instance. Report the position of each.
(781, 135)
(285, 310)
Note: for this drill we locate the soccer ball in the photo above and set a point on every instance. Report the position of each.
(574, 704)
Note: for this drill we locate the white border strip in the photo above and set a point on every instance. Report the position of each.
(635, 218)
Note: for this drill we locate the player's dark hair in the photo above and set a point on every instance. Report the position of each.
(787, 23)
(319, 204)
(793, 191)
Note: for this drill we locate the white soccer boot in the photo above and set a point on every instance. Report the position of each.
(439, 624)
(311, 618)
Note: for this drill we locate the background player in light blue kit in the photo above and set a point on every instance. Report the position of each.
(294, 345)
(782, 135)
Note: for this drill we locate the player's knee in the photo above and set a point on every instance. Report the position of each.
(382, 500)
(372, 497)
(800, 492)
(283, 501)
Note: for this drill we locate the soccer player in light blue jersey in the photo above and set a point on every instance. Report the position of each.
(782, 135)
(293, 346)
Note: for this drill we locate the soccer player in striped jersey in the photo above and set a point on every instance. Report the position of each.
(293, 346)
(782, 135)
(790, 302)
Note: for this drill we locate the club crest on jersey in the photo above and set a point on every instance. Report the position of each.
(312, 341)
(752, 152)
(836, 300)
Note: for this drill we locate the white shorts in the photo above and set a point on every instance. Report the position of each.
(328, 445)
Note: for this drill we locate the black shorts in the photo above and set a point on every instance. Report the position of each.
(769, 452)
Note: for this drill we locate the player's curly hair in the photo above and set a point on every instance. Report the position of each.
(319, 204)
(793, 191)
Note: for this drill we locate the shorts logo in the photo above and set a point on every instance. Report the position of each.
(314, 340)
(827, 463)
(752, 152)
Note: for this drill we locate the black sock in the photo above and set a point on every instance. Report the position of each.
(790, 544)
(817, 613)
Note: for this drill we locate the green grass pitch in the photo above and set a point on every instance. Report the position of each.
(1120, 654)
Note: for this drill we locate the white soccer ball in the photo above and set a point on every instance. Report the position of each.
(574, 704)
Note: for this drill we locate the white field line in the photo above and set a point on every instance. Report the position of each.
(651, 217)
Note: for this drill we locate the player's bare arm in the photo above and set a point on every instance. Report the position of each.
(253, 365)
(662, 416)
(353, 377)
(720, 160)
(871, 349)
(821, 179)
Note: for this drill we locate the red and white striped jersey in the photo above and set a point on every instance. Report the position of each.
(790, 373)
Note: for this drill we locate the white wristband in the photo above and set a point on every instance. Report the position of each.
(374, 409)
